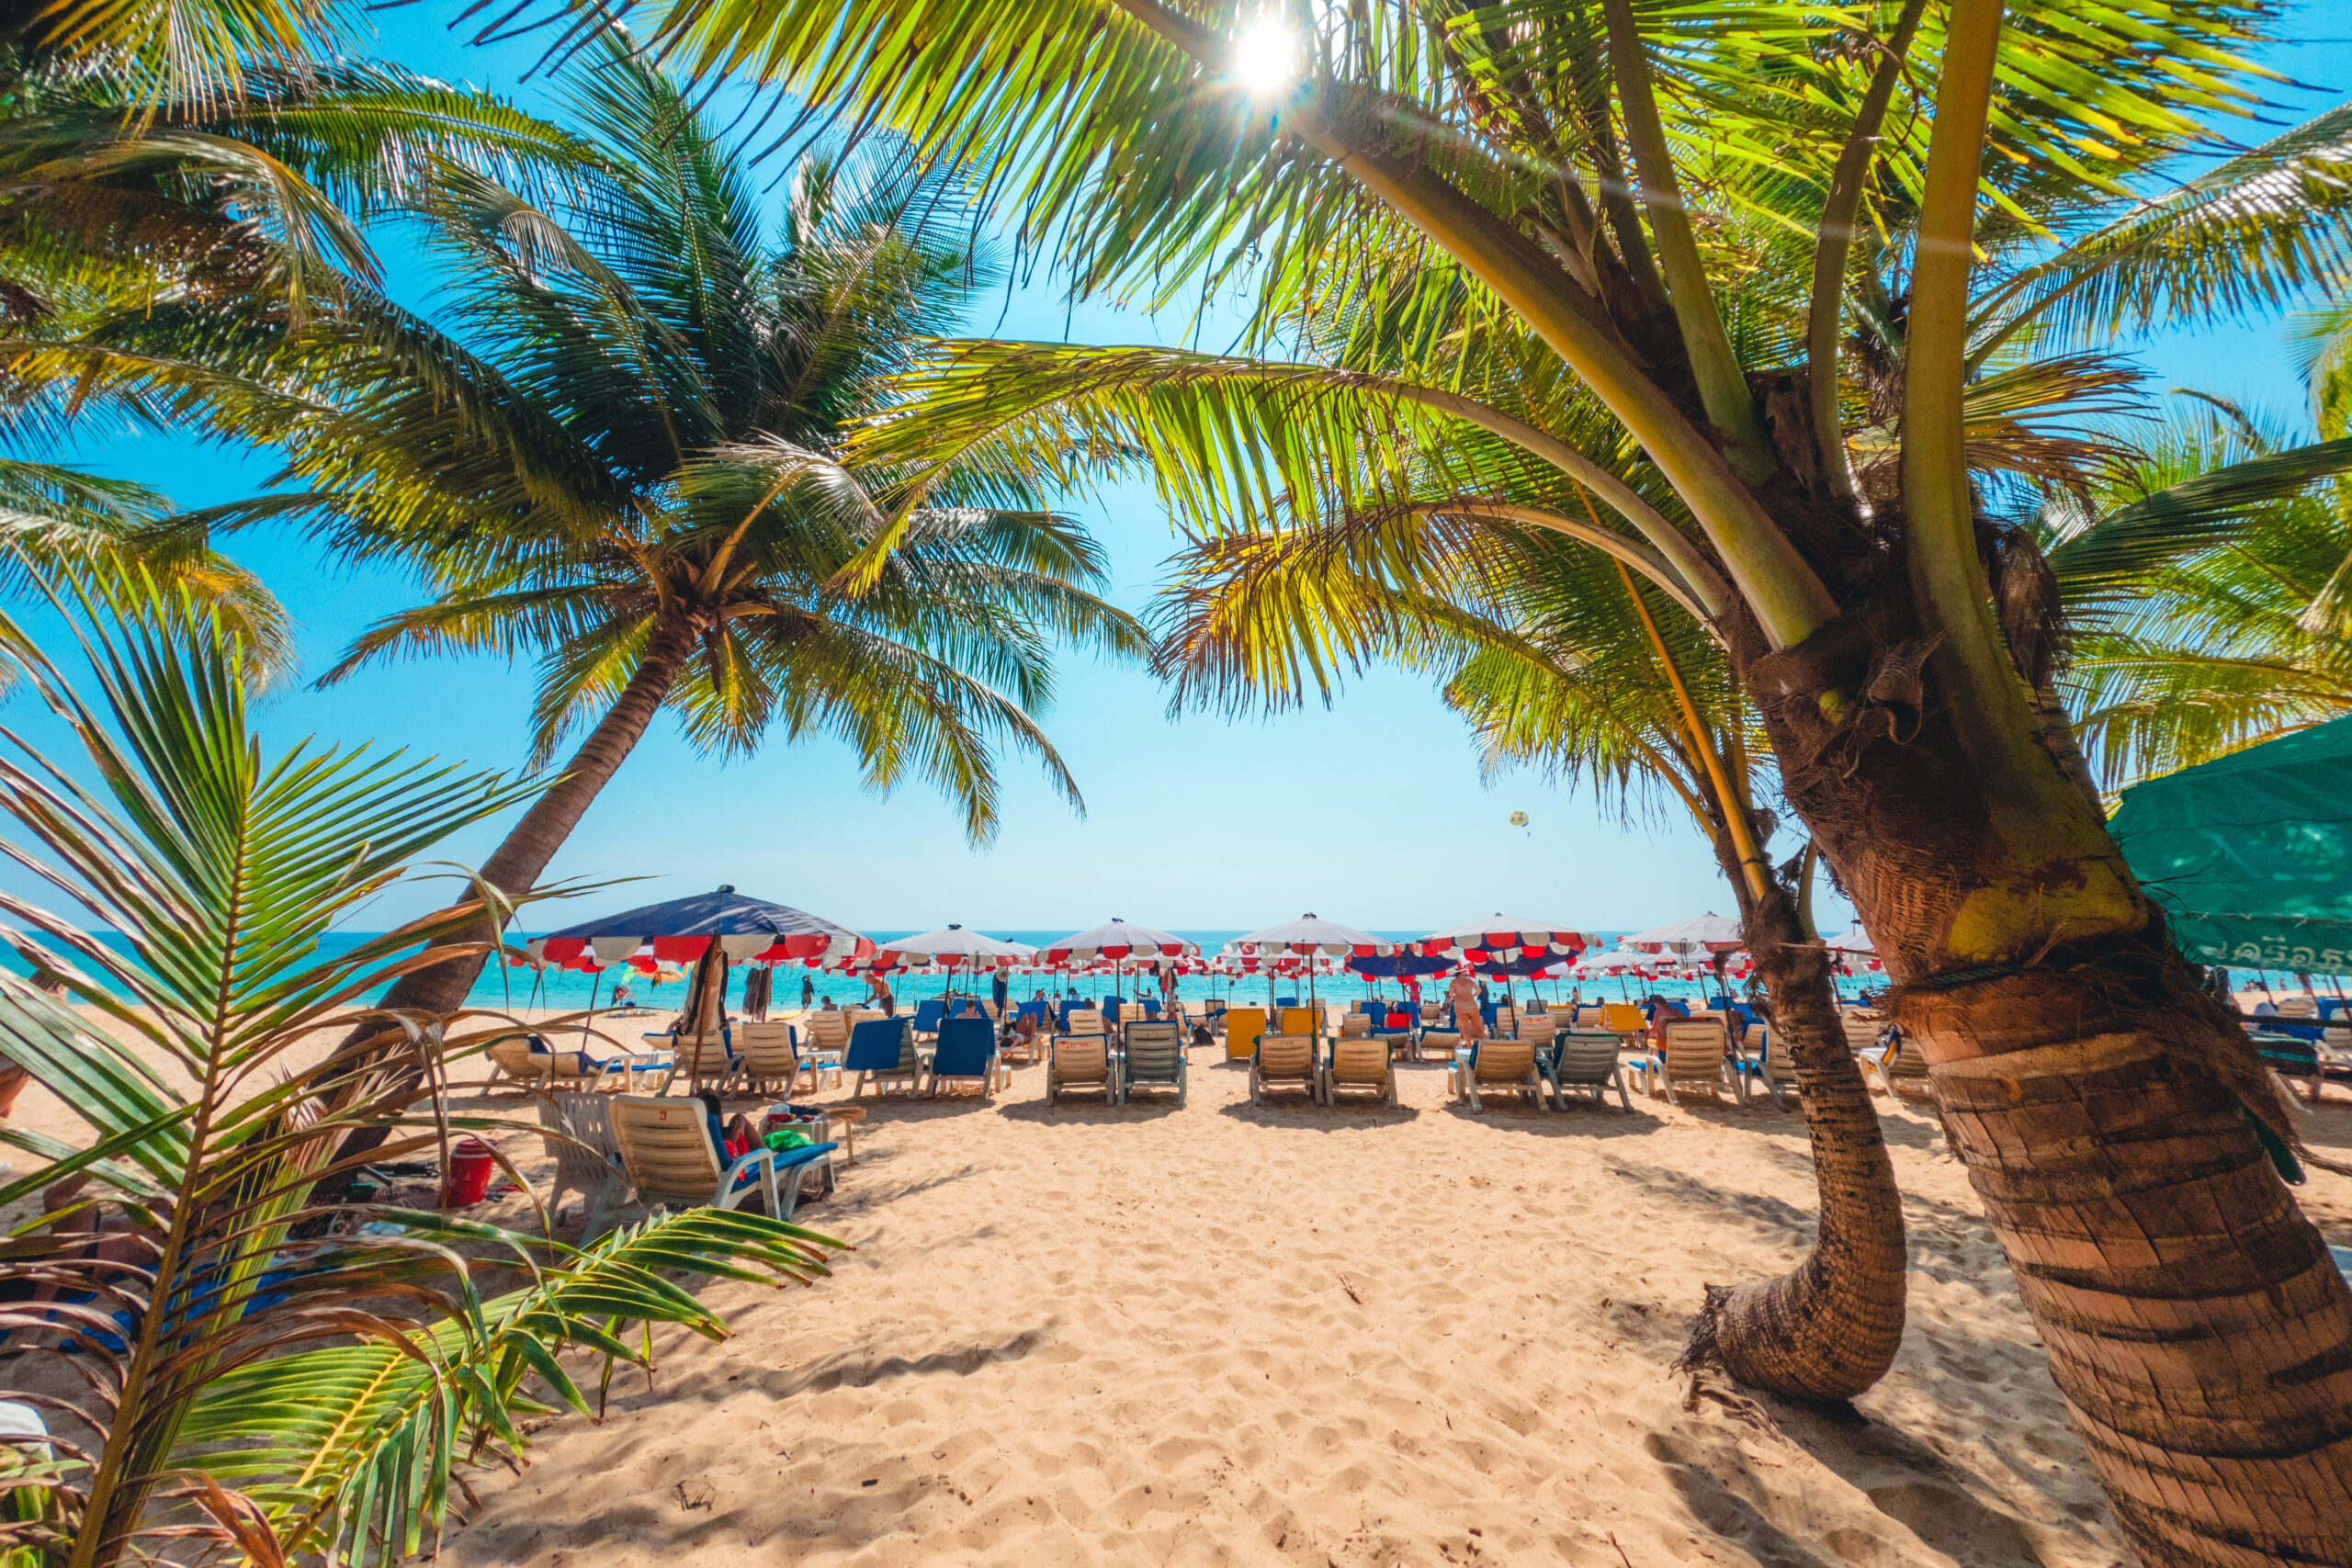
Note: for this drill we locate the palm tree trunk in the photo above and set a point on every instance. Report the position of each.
(2114, 1121)
(518, 862)
(1828, 1329)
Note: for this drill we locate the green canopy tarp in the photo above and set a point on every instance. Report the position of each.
(2250, 855)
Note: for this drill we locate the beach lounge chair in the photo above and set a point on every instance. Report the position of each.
(1537, 1028)
(1242, 1027)
(1285, 1060)
(516, 1057)
(1587, 1060)
(1626, 1021)
(966, 1052)
(1085, 1020)
(1355, 1025)
(1359, 1061)
(1080, 1061)
(1901, 1067)
(1690, 1055)
(666, 1149)
(1301, 1021)
(883, 1050)
(578, 1137)
(700, 1059)
(1760, 1064)
(2298, 1007)
(1497, 1065)
(1433, 1041)
(1155, 1056)
(766, 1061)
(824, 1041)
(929, 1015)
(1589, 1018)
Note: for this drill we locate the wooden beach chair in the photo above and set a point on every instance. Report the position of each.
(1080, 1061)
(1587, 1060)
(1359, 1061)
(1589, 1018)
(1901, 1068)
(1498, 1067)
(1154, 1057)
(882, 1051)
(1088, 1021)
(1242, 1027)
(1355, 1026)
(1538, 1028)
(1283, 1060)
(577, 1131)
(666, 1149)
(1688, 1055)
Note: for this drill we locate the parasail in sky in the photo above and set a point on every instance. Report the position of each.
(1519, 819)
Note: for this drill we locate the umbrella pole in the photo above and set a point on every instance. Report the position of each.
(590, 1021)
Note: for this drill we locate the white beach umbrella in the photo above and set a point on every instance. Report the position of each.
(952, 946)
(1312, 934)
(1855, 940)
(1116, 942)
(1709, 932)
(1500, 934)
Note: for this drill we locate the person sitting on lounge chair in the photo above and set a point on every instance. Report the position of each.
(737, 1138)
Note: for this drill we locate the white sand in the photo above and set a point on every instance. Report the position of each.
(1349, 1336)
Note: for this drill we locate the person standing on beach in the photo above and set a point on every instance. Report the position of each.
(1001, 988)
(1469, 1021)
(808, 992)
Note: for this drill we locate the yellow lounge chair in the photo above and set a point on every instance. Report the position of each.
(1242, 1027)
(1301, 1021)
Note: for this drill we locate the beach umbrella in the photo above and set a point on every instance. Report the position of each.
(1709, 932)
(948, 948)
(1855, 940)
(1503, 944)
(721, 924)
(1115, 942)
(1309, 936)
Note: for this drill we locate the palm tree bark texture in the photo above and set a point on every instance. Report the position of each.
(1829, 1329)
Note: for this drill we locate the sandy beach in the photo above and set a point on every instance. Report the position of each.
(1298, 1334)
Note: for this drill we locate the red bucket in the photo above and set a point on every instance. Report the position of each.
(466, 1181)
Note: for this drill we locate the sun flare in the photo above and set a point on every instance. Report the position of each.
(1265, 59)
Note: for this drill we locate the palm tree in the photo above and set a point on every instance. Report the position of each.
(620, 459)
(1689, 212)
(260, 1382)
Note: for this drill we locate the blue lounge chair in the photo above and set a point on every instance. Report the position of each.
(966, 1052)
(927, 1016)
(883, 1049)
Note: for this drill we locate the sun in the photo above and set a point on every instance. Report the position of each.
(1265, 59)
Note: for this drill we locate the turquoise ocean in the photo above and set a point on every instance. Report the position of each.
(521, 986)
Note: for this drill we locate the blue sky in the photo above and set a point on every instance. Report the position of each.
(1373, 812)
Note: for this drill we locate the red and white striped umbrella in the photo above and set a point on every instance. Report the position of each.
(1504, 939)
(1312, 934)
(1709, 932)
(1116, 941)
(950, 947)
